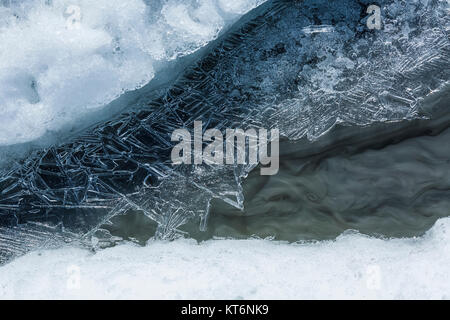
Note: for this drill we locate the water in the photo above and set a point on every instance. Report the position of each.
(391, 184)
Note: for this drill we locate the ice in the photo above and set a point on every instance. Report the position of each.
(61, 59)
(267, 72)
(238, 6)
(352, 267)
(347, 73)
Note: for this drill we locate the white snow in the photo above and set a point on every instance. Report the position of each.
(61, 59)
(354, 266)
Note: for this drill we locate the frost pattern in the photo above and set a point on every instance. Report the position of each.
(267, 72)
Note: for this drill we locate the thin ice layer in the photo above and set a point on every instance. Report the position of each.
(266, 72)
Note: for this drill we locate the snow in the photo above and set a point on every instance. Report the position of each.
(62, 59)
(353, 266)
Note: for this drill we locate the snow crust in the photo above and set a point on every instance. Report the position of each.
(353, 266)
(62, 59)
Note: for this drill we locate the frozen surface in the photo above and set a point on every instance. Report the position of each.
(61, 59)
(275, 70)
(353, 266)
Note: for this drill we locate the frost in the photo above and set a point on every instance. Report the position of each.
(267, 72)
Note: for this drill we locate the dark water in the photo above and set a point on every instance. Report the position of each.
(389, 180)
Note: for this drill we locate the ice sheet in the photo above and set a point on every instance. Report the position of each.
(267, 72)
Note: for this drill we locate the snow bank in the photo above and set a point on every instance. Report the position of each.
(353, 266)
(61, 59)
